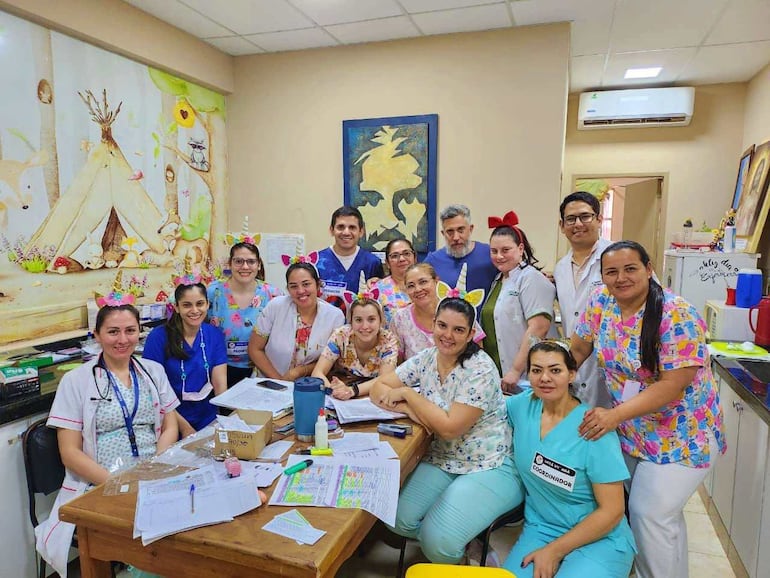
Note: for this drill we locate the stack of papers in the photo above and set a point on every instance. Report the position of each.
(362, 446)
(293, 525)
(361, 409)
(191, 500)
(246, 394)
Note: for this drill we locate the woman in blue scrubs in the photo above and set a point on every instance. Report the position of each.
(573, 521)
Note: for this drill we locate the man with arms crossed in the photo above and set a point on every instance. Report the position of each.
(576, 275)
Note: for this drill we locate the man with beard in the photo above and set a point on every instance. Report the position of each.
(456, 228)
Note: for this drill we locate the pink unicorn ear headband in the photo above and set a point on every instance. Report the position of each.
(244, 236)
(475, 297)
(117, 296)
(310, 259)
(363, 292)
(188, 277)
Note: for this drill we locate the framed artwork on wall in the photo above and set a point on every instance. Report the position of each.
(752, 205)
(389, 168)
(743, 171)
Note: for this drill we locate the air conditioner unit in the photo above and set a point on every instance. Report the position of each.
(641, 107)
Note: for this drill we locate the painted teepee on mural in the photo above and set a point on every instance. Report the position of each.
(105, 206)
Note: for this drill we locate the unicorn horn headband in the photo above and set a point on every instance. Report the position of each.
(188, 277)
(363, 292)
(310, 259)
(444, 291)
(117, 296)
(510, 219)
(244, 236)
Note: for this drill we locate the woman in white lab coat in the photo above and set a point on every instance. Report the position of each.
(520, 302)
(293, 330)
(109, 412)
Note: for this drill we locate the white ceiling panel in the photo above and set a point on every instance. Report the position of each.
(673, 62)
(585, 72)
(252, 16)
(590, 37)
(727, 63)
(341, 11)
(234, 45)
(374, 30)
(526, 12)
(293, 40)
(743, 21)
(463, 19)
(656, 24)
(182, 17)
(413, 6)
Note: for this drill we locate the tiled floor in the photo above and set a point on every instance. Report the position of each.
(706, 556)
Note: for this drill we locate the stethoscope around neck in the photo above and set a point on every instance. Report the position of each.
(105, 396)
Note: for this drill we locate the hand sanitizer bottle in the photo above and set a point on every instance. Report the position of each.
(321, 432)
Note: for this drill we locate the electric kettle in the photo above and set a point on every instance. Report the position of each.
(762, 328)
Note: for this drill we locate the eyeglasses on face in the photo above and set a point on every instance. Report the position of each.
(238, 262)
(584, 218)
(401, 255)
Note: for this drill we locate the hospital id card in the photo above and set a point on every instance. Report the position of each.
(553, 472)
(630, 390)
(237, 348)
(333, 288)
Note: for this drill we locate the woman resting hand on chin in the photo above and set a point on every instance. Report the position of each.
(651, 347)
(93, 430)
(573, 522)
(467, 478)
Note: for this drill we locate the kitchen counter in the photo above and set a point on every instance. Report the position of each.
(748, 388)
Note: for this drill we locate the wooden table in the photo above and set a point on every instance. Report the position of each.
(234, 549)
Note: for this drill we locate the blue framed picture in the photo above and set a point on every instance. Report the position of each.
(743, 171)
(389, 168)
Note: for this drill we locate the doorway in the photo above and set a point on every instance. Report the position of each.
(631, 209)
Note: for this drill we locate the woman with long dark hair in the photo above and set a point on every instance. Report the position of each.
(192, 353)
(110, 412)
(573, 519)
(235, 304)
(520, 302)
(651, 346)
(467, 478)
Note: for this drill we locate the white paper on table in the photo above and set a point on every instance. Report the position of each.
(246, 394)
(355, 441)
(371, 485)
(290, 529)
(383, 451)
(234, 422)
(274, 452)
(265, 474)
(362, 409)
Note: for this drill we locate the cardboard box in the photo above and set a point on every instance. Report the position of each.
(246, 445)
(18, 382)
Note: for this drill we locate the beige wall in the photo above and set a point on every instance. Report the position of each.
(699, 162)
(500, 97)
(121, 28)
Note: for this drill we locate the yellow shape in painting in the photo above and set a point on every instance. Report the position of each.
(413, 212)
(386, 171)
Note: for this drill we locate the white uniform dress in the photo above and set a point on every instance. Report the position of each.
(525, 293)
(278, 323)
(75, 409)
(589, 382)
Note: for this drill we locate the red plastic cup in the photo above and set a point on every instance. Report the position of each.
(730, 296)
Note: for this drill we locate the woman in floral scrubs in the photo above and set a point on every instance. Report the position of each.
(651, 346)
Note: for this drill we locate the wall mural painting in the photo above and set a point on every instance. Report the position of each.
(105, 165)
(390, 175)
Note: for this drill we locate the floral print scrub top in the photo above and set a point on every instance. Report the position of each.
(413, 337)
(236, 323)
(679, 432)
(477, 384)
(342, 350)
(391, 298)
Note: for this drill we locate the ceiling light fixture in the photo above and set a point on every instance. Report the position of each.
(651, 72)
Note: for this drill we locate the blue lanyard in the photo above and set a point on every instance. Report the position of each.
(129, 419)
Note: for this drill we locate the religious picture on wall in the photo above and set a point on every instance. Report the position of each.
(390, 175)
(751, 213)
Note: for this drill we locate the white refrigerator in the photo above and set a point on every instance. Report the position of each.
(698, 276)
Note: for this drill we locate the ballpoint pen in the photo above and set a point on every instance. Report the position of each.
(298, 467)
(192, 498)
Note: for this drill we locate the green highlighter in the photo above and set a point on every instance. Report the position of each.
(298, 467)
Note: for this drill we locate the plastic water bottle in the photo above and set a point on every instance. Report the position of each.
(321, 432)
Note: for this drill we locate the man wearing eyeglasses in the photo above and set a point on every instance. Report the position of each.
(576, 275)
(456, 229)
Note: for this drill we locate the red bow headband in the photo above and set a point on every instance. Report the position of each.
(510, 219)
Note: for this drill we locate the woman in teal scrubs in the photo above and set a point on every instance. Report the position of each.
(573, 521)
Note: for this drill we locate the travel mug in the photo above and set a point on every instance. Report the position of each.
(309, 397)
